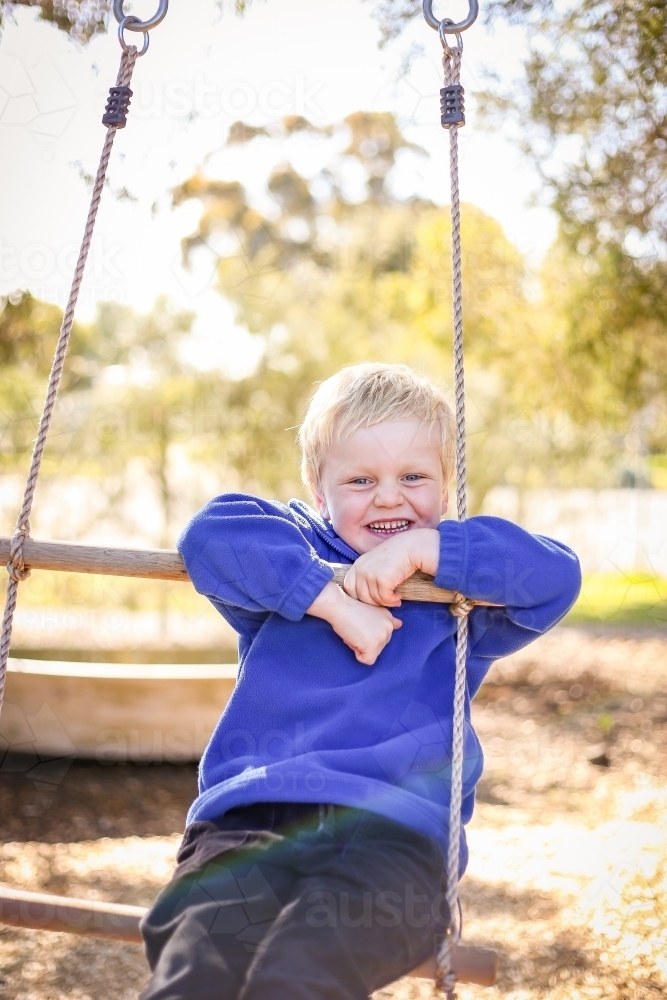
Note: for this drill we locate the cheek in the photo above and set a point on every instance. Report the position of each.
(429, 505)
(348, 511)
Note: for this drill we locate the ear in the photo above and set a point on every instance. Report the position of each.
(445, 502)
(320, 501)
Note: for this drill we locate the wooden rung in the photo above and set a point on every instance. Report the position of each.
(41, 912)
(155, 564)
(471, 965)
(165, 564)
(418, 587)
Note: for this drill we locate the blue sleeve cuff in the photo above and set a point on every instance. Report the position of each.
(453, 564)
(309, 586)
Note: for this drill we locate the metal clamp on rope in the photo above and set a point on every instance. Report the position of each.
(118, 104)
(117, 107)
(452, 106)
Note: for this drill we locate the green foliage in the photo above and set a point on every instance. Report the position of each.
(609, 339)
(142, 405)
(81, 19)
(395, 15)
(125, 395)
(326, 280)
(590, 113)
(621, 599)
(332, 275)
(596, 75)
(28, 335)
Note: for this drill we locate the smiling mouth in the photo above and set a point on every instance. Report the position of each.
(388, 527)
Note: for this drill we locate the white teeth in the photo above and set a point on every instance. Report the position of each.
(389, 526)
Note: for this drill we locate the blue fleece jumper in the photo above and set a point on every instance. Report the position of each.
(307, 722)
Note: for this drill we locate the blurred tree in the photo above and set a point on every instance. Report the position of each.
(328, 280)
(592, 117)
(589, 112)
(608, 343)
(28, 334)
(141, 403)
(82, 19)
(126, 396)
(79, 18)
(595, 77)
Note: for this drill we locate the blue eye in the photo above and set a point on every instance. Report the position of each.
(361, 481)
(413, 477)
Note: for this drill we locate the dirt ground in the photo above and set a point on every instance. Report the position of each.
(568, 872)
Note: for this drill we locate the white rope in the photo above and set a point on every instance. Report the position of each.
(16, 566)
(446, 980)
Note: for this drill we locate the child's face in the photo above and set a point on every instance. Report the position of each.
(382, 481)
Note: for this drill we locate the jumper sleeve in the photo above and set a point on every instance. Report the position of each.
(254, 555)
(534, 578)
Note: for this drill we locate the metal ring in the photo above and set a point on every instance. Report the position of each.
(446, 29)
(451, 27)
(140, 25)
(126, 23)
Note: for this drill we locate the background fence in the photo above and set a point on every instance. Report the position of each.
(610, 530)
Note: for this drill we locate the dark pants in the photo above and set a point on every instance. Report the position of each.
(281, 901)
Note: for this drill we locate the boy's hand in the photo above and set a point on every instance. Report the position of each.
(375, 575)
(364, 629)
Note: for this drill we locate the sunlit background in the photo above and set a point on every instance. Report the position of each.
(206, 70)
(277, 207)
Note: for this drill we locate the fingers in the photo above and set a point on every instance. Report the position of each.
(365, 591)
(365, 628)
(355, 585)
(381, 593)
(368, 659)
(389, 598)
(350, 583)
(370, 590)
(369, 653)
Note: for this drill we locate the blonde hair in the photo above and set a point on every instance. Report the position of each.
(368, 394)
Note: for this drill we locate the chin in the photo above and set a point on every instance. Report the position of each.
(359, 542)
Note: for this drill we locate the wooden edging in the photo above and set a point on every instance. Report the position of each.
(165, 564)
(41, 912)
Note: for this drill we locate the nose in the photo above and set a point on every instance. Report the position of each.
(387, 494)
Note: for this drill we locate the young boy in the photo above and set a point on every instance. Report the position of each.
(312, 864)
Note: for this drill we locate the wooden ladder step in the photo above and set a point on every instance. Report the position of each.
(42, 912)
(167, 564)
